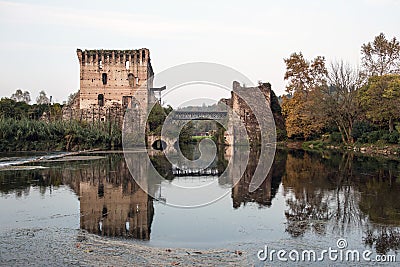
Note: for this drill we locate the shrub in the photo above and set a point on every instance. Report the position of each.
(391, 138)
(281, 135)
(374, 136)
(335, 138)
(385, 137)
(314, 145)
(394, 137)
(360, 128)
(381, 135)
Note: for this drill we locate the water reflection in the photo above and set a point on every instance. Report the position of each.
(341, 192)
(266, 192)
(112, 204)
(323, 193)
(383, 239)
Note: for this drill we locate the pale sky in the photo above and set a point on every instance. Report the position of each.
(38, 39)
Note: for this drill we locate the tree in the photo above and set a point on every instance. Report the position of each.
(168, 109)
(20, 96)
(71, 98)
(303, 75)
(381, 56)
(276, 109)
(11, 109)
(157, 117)
(380, 98)
(303, 117)
(185, 136)
(302, 112)
(339, 100)
(42, 99)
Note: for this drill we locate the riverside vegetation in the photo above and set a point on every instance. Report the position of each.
(344, 106)
(40, 127)
(37, 135)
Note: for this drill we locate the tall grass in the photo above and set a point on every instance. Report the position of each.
(26, 135)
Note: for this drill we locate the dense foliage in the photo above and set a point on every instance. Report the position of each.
(10, 108)
(39, 127)
(27, 134)
(362, 106)
(380, 98)
(156, 118)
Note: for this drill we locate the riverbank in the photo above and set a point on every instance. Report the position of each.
(69, 247)
(375, 150)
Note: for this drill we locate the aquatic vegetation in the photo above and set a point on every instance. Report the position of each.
(26, 134)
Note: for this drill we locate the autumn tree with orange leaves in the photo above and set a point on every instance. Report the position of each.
(305, 78)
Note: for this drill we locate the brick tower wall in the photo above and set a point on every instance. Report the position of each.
(108, 78)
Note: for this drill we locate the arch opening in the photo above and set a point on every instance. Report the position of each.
(159, 145)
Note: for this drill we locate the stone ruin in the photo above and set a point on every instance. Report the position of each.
(110, 82)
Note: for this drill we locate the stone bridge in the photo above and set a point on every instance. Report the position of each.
(159, 143)
(235, 104)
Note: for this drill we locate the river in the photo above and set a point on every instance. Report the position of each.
(309, 200)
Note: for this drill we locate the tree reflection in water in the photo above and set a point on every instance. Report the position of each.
(383, 239)
(305, 194)
(343, 192)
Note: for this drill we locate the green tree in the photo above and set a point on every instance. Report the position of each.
(279, 121)
(42, 99)
(185, 136)
(168, 109)
(12, 109)
(156, 119)
(380, 99)
(56, 111)
(20, 96)
(36, 111)
(381, 56)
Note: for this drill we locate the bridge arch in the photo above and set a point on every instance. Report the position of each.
(159, 144)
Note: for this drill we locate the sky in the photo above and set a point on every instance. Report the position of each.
(38, 39)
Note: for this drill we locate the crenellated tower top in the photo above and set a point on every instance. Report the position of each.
(102, 57)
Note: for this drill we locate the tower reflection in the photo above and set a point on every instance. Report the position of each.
(111, 202)
(264, 194)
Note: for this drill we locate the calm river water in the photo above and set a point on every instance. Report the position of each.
(308, 201)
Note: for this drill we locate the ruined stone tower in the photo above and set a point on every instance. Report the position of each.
(244, 113)
(110, 82)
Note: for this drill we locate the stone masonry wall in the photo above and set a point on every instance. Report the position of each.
(110, 82)
(243, 111)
